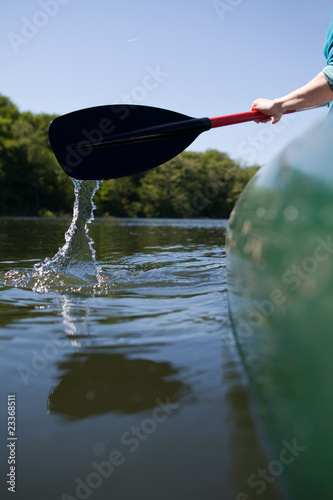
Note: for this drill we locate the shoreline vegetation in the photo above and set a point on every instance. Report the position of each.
(192, 185)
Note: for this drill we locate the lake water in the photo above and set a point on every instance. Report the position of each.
(126, 378)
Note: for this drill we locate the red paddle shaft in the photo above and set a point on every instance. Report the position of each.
(221, 121)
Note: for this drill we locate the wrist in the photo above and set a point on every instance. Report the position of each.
(279, 106)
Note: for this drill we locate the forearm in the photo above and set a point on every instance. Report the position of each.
(314, 93)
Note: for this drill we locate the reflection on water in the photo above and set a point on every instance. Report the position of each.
(143, 363)
(103, 382)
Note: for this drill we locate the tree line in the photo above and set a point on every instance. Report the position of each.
(33, 184)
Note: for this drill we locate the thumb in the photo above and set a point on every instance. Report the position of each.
(275, 119)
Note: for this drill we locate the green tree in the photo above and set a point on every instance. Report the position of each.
(31, 182)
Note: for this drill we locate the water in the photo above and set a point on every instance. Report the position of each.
(74, 264)
(118, 348)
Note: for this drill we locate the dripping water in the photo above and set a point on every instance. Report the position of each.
(77, 257)
(74, 265)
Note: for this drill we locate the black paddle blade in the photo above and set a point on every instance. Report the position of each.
(107, 142)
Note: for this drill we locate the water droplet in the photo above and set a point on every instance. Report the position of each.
(290, 213)
(261, 211)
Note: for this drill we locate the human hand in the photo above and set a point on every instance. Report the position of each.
(268, 107)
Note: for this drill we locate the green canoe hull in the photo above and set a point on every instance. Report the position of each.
(280, 274)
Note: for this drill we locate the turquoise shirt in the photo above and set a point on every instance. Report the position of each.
(328, 53)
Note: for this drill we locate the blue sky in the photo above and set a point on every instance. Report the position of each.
(197, 57)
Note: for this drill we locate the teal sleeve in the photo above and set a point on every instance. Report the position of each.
(328, 72)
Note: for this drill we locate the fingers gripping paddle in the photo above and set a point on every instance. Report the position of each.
(107, 142)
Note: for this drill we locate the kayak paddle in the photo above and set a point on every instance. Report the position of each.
(108, 142)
